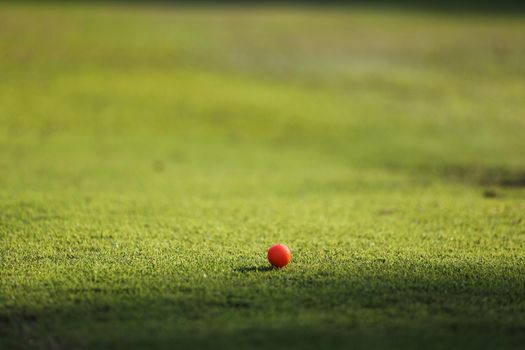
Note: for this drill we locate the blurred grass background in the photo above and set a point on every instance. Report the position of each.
(151, 153)
(303, 78)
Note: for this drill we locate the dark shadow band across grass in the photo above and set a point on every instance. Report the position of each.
(447, 306)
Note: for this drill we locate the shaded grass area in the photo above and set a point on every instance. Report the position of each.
(396, 307)
(150, 155)
(409, 304)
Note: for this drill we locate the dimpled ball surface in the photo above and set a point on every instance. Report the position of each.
(279, 255)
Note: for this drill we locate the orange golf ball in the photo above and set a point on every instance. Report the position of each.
(279, 255)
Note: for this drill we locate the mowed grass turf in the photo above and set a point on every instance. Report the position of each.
(150, 155)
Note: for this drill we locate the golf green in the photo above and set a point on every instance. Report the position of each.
(151, 154)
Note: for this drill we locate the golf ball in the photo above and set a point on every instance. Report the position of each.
(279, 255)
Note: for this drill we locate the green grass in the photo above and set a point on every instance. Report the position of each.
(150, 155)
